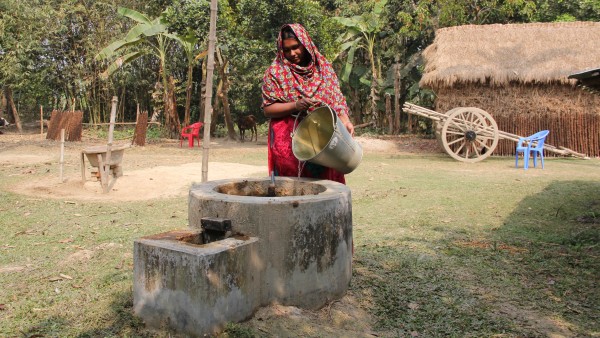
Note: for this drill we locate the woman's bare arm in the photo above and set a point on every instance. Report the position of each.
(282, 109)
(279, 109)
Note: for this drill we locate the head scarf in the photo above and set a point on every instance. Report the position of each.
(287, 82)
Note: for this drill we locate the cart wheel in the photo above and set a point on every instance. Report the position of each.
(439, 125)
(469, 134)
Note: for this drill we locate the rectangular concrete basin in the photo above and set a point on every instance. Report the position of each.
(191, 287)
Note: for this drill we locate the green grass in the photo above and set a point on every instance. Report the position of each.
(452, 249)
(442, 249)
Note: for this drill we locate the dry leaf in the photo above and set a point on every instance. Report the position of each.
(76, 286)
(55, 279)
(120, 266)
(413, 306)
(2, 307)
(65, 276)
(66, 240)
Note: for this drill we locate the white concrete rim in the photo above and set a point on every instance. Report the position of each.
(208, 190)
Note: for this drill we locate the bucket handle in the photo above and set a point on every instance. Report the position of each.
(321, 104)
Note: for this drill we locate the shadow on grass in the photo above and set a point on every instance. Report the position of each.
(534, 276)
(121, 322)
(49, 327)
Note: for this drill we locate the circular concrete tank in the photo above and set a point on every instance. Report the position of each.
(304, 256)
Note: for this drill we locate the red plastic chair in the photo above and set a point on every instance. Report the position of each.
(191, 132)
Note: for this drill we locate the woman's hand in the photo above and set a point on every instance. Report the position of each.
(304, 103)
(350, 127)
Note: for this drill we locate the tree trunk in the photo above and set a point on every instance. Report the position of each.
(202, 90)
(121, 110)
(216, 108)
(3, 104)
(223, 95)
(356, 106)
(15, 113)
(188, 96)
(170, 105)
(374, 89)
(171, 108)
(388, 113)
(396, 130)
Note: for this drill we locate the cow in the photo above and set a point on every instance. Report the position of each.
(247, 122)
(3, 123)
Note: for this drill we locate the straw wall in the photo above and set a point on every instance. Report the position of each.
(141, 126)
(571, 114)
(71, 122)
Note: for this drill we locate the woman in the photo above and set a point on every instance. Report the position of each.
(298, 79)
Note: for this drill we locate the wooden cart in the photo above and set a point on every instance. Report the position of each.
(470, 134)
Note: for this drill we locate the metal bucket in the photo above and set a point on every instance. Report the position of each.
(322, 138)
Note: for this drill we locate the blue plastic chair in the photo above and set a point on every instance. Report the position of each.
(533, 144)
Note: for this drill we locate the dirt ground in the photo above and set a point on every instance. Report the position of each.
(168, 172)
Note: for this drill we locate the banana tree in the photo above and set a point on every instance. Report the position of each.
(151, 33)
(188, 42)
(362, 33)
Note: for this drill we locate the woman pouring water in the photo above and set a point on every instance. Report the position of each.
(297, 80)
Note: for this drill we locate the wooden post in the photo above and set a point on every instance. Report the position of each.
(111, 129)
(103, 175)
(62, 153)
(209, 77)
(82, 167)
(388, 113)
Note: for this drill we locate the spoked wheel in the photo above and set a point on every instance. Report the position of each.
(469, 134)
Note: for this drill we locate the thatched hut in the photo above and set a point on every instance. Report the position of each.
(519, 74)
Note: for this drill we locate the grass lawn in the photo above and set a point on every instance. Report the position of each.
(442, 248)
(446, 248)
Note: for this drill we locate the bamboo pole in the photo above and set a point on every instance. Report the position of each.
(209, 77)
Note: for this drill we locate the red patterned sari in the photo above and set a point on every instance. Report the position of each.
(286, 82)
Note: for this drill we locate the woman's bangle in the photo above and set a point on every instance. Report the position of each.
(296, 105)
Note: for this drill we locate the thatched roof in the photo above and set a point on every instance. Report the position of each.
(500, 54)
